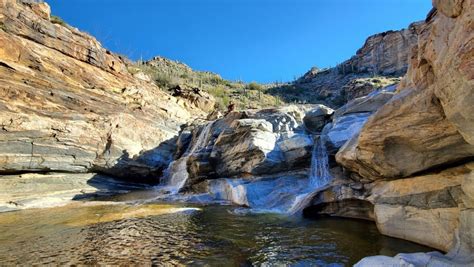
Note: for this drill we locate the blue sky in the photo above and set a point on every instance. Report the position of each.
(250, 40)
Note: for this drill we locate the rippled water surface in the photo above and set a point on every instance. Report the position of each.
(166, 234)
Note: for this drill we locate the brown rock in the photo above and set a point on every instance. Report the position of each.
(67, 104)
(384, 53)
(430, 122)
(410, 208)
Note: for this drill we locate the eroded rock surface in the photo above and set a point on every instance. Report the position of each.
(429, 122)
(69, 105)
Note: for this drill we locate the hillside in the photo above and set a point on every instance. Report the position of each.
(168, 74)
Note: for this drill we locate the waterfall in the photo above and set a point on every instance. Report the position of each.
(319, 176)
(177, 174)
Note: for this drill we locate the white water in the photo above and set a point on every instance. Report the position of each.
(177, 174)
(286, 194)
(319, 175)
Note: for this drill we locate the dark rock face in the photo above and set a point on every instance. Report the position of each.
(315, 120)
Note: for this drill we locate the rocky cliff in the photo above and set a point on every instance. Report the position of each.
(69, 105)
(379, 62)
(424, 138)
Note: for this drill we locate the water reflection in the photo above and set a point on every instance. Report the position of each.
(211, 236)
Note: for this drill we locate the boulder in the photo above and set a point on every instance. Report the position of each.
(194, 96)
(409, 208)
(343, 129)
(246, 144)
(315, 119)
(370, 103)
(243, 146)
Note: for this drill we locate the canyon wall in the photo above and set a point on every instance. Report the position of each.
(69, 105)
(423, 137)
(380, 62)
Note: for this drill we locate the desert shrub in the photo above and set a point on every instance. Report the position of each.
(57, 20)
(254, 86)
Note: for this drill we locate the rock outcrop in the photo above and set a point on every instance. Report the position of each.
(380, 62)
(422, 140)
(428, 124)
(348, 120)
(248, 143)
(69, 105)
(385, 53)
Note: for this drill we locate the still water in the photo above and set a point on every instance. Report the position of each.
(169, 234)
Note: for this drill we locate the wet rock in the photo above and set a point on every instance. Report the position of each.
(32, 190)
(343, 129)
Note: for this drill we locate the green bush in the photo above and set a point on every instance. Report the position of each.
(57, 20)
(254, 86)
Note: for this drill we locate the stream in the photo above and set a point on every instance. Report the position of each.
(125, 230)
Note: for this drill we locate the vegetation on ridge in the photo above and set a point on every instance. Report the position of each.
(168, 73)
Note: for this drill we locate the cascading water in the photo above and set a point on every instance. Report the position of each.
(285, 194)
(177, 174)
(319, 176)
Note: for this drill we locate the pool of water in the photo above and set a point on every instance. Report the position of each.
(179, 234)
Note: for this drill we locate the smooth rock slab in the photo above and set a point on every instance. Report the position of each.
(33, 190)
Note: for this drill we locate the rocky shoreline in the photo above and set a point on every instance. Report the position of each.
(73, 116)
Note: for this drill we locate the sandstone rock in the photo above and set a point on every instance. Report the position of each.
(195, 97)
(315, 119)
(384, 53)
(429, 123)
(245, 144)
(67, 104)
(450, 8)
(56, 189)
(409, 208)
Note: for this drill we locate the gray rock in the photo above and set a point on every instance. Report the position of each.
(315, 119)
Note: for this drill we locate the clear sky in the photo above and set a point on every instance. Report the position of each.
(251, 40)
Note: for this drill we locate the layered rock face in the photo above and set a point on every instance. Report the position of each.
(378, 63)
(423, 138)
(69, 105)
(426, 125)
(385, 53)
